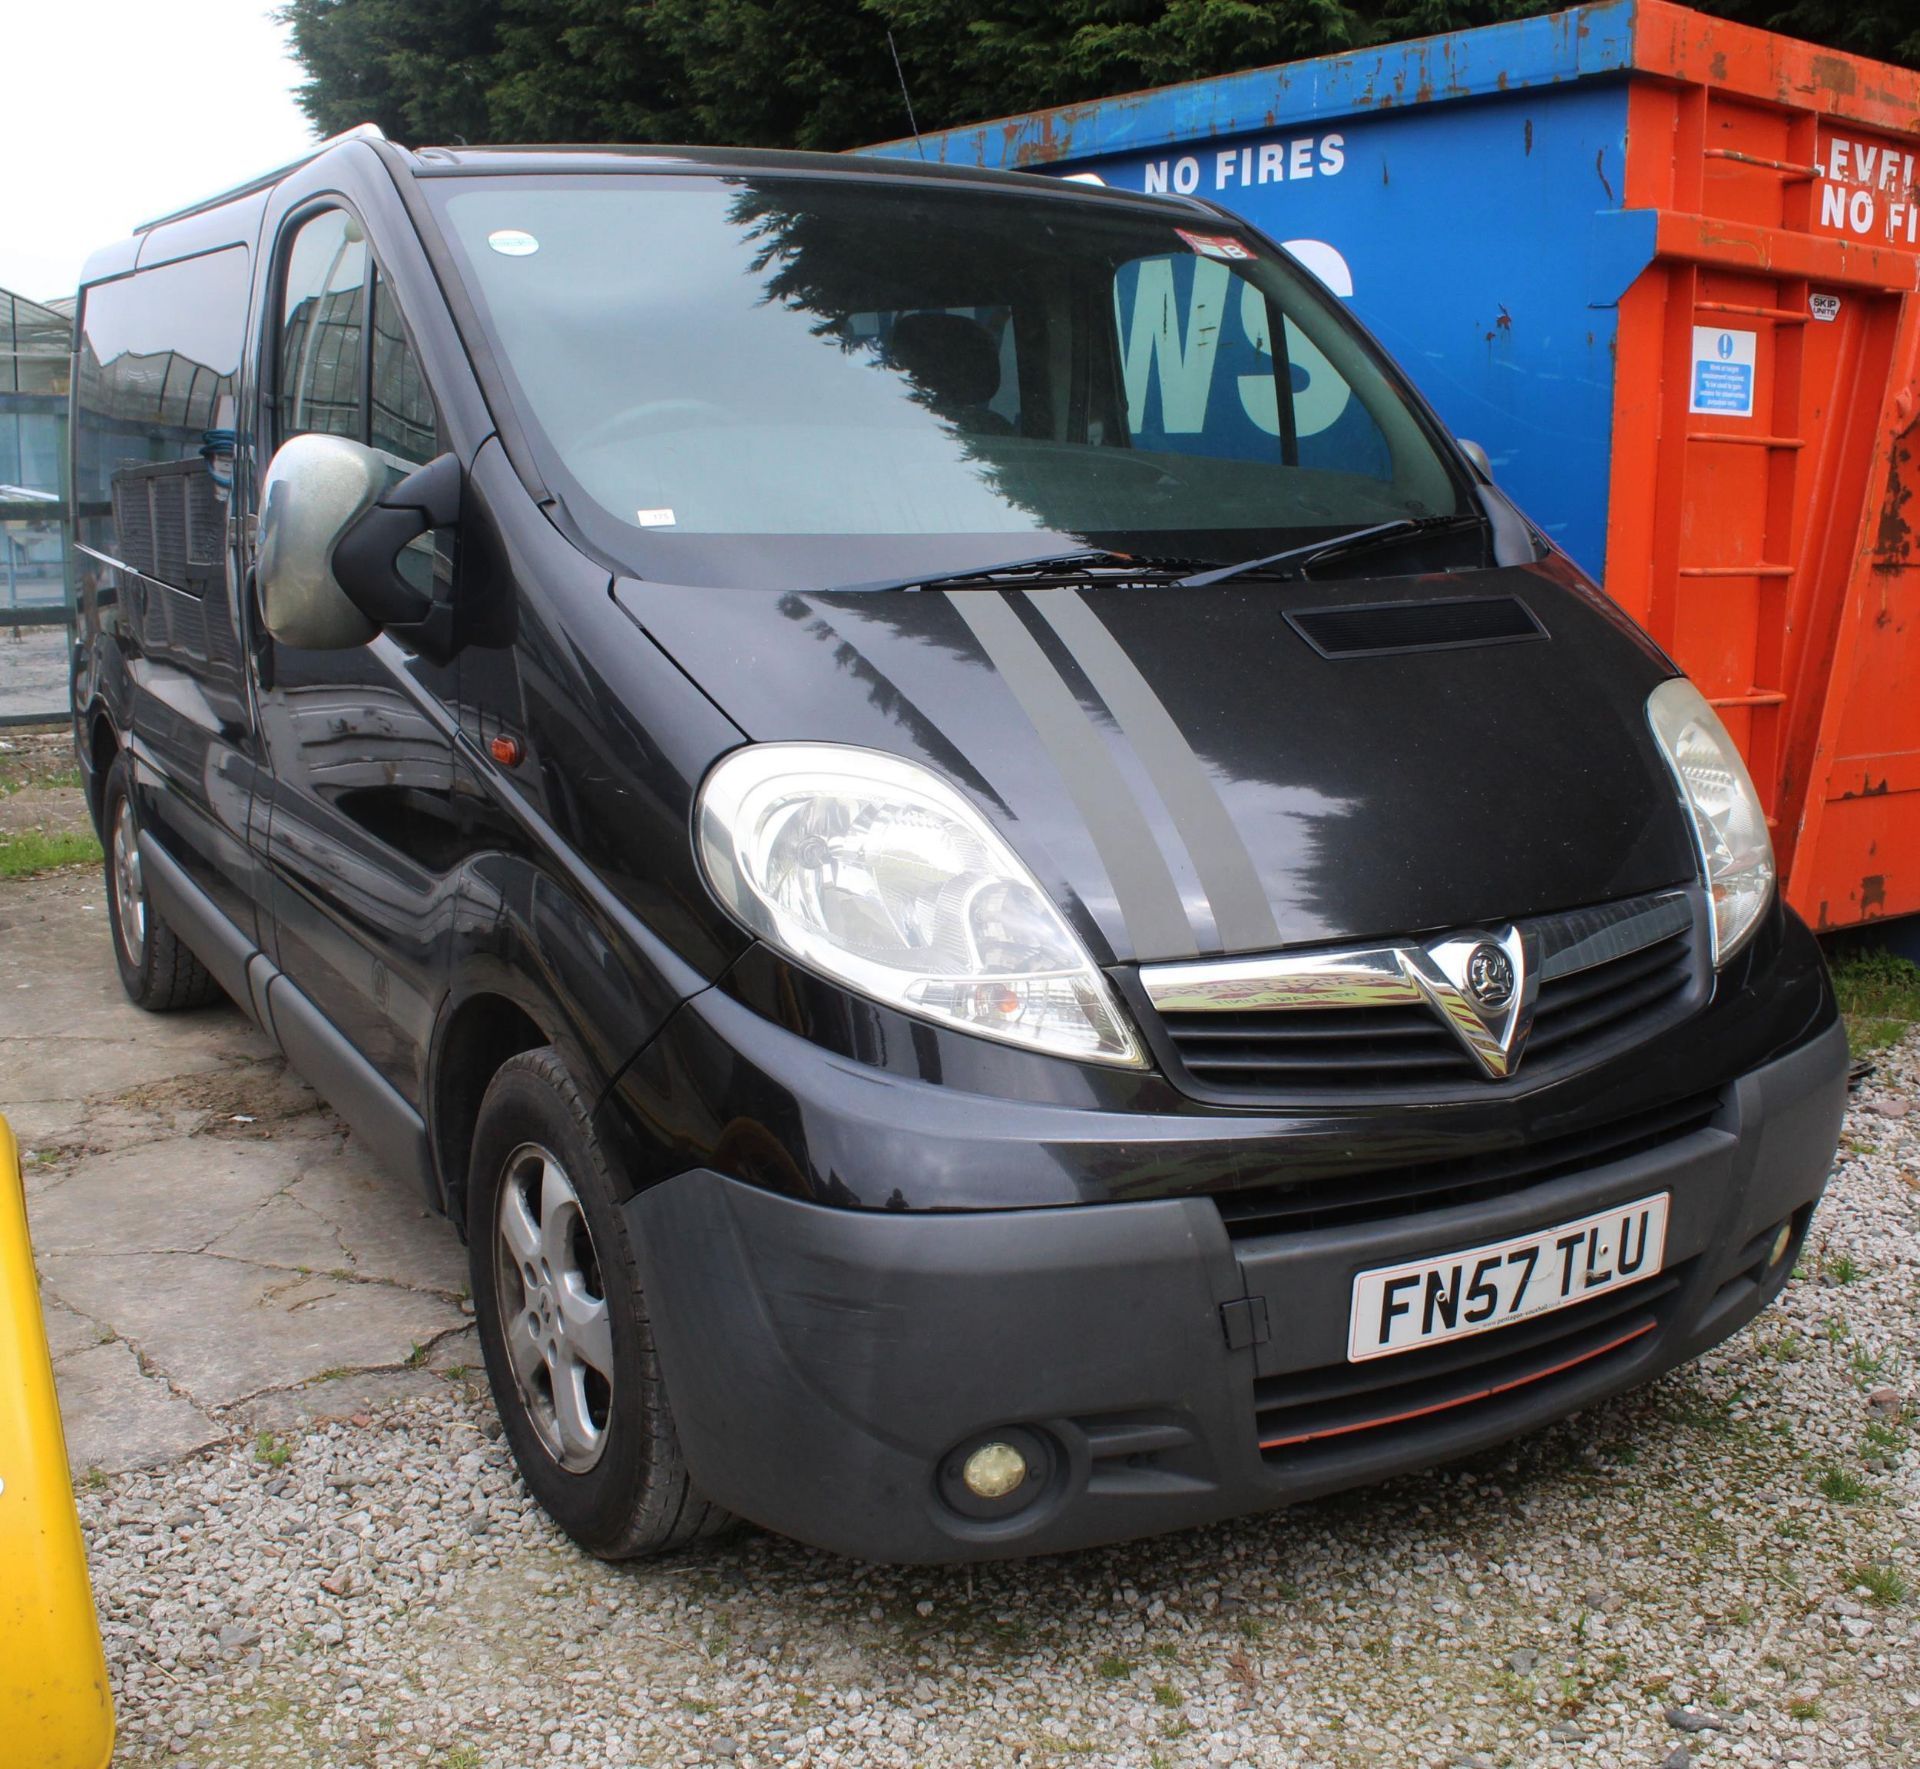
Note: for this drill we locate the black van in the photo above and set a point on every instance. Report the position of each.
(1009, 902)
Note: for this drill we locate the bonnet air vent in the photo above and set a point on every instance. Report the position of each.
(1415, 626)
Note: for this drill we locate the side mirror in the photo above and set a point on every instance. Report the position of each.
(330, 540)
(316, 488)
(1478, 457)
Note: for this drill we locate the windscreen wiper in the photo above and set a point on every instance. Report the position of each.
(1042, 568)
(1294, 561)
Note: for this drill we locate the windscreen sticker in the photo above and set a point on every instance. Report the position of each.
(655, 518)
(1723, 372)
(510, 242)
(1214, 245)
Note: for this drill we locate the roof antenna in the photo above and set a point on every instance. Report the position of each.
(904, 93)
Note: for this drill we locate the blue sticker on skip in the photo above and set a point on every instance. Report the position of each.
(1723, 372)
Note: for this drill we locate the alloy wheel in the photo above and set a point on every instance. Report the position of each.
(553, 1308)
(129, 897)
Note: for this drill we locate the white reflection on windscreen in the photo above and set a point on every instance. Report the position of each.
(643, 340)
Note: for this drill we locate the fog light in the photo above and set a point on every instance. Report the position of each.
(994, 1470)
(1781, 1242)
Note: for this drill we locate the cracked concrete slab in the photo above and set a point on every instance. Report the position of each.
(68, 1038)
(218, 1255)
(116, 1416)
(223, 1329)
(388, 1233)
(361, 1391)
(285, 1234)
(67, 1329)
(175, 1195)
(63, 994)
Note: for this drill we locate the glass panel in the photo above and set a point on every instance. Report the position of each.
(786, 380)
(323, 317)
(1196, 349)
(153, 455)
(404, 424)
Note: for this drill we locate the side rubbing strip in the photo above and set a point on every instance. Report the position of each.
(1142, 881)
(1241, 911)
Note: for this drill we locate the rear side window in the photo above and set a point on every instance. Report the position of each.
(159, 352)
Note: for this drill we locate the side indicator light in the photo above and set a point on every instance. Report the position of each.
(507, 751)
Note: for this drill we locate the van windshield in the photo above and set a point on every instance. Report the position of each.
(791, 381)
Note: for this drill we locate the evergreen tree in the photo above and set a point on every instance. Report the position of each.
(820, 74)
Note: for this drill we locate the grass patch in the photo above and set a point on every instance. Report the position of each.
(275, 1452)
(22, 776)
(1805, 1709)
(1886, 1585)
(1880, 997)
(1167, 1696)
(32, 852)
(1841, 1487)
(1113, 1669)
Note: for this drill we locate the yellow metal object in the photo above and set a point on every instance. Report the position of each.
(56, 1711)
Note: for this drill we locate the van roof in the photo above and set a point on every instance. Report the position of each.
(265, 180)
(445, 162)
(442, 162)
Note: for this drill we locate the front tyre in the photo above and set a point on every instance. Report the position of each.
(157, 970)
(563, 1324)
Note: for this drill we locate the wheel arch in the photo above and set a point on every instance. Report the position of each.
(477, 1034)
(103, 744)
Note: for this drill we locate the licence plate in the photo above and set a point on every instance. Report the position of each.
(1427, 1301)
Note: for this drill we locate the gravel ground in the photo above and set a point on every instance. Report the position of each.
(1720, 1569)
(33, 671)
(37, 776)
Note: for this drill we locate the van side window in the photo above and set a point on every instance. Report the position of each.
(154, 417)
(322, 323)
(404, 425)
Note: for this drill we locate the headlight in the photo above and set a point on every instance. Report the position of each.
(1729, 828)
(877, 873)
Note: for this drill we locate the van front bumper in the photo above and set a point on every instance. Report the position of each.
(829, 1369)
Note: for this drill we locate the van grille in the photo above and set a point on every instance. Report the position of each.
(1340, 1200)
(1350, 1055)
(1308, 1414)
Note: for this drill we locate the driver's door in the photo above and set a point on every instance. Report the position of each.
(360, 779)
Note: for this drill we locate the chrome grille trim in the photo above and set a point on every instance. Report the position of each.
(1379, 976)
(1415, 1020)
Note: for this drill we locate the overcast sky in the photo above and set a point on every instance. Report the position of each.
(114, 111)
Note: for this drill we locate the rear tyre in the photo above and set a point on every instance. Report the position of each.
(157, 970)
(563, 1323)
